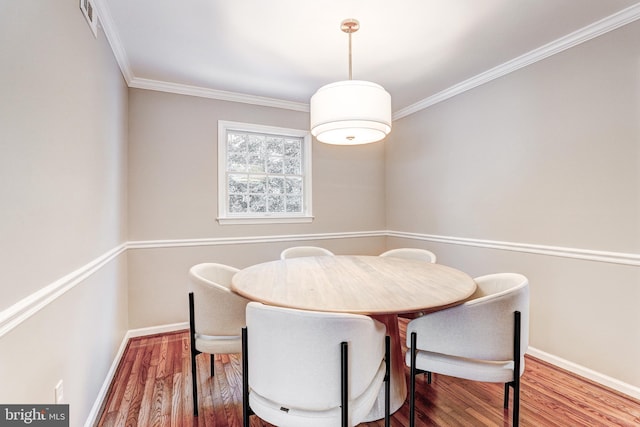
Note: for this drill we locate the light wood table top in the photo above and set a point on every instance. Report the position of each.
(381, 287)
(354, 284)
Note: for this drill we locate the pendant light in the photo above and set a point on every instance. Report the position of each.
(350, 112)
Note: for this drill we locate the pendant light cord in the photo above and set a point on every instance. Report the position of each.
(350, 26)
(350, 63)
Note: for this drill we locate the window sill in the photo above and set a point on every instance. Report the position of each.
(265, 220)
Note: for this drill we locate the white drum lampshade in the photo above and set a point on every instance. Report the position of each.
(350, 112)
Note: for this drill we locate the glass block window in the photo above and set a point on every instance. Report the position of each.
(264, 174)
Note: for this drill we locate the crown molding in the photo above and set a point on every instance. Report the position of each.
(120, 54)
(221, 95)
(106, 22)
(582, 35)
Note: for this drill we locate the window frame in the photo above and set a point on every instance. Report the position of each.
(224, 216)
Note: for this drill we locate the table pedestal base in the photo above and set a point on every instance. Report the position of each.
(398, 382)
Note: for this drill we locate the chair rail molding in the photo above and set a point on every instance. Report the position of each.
(623, 258)
(17, 313)
(12, 316)
(216, 241)
(557, 251)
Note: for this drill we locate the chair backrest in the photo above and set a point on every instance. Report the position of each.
(294, 355)
(495, 300)
(302, 251)
(411, 253)
(217, 310)
(483, 326)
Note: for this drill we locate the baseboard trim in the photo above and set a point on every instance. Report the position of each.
(605, 380)
(92, 419)
(612, 383)
(161, 329)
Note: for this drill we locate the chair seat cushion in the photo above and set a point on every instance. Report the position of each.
(460, 367)
(218, 345)
(359, 407)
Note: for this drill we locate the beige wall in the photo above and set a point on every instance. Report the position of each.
(548, 155)
(173, 171)
(173, 196)
(62, 136)
(158, 275)
(63, 129)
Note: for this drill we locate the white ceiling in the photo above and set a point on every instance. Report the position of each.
(282, 51)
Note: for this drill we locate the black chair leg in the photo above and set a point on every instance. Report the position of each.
(246, 410)
(506, 395)
(212, 368)
(387, 381)
(344, 384)
(516, 405)
(412, 384)
(516, 369)
(194, 352)
(194, 383)
(428, 377)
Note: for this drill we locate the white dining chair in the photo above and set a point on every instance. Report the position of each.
(483, 339)
(216, 316)
(312, 369)
(411, 253)
(302, 251)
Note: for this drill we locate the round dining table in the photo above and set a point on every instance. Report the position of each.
(380, 287)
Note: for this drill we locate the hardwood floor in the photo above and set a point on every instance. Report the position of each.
(152, 387)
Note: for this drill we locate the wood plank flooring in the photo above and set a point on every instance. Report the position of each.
(152, 387)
